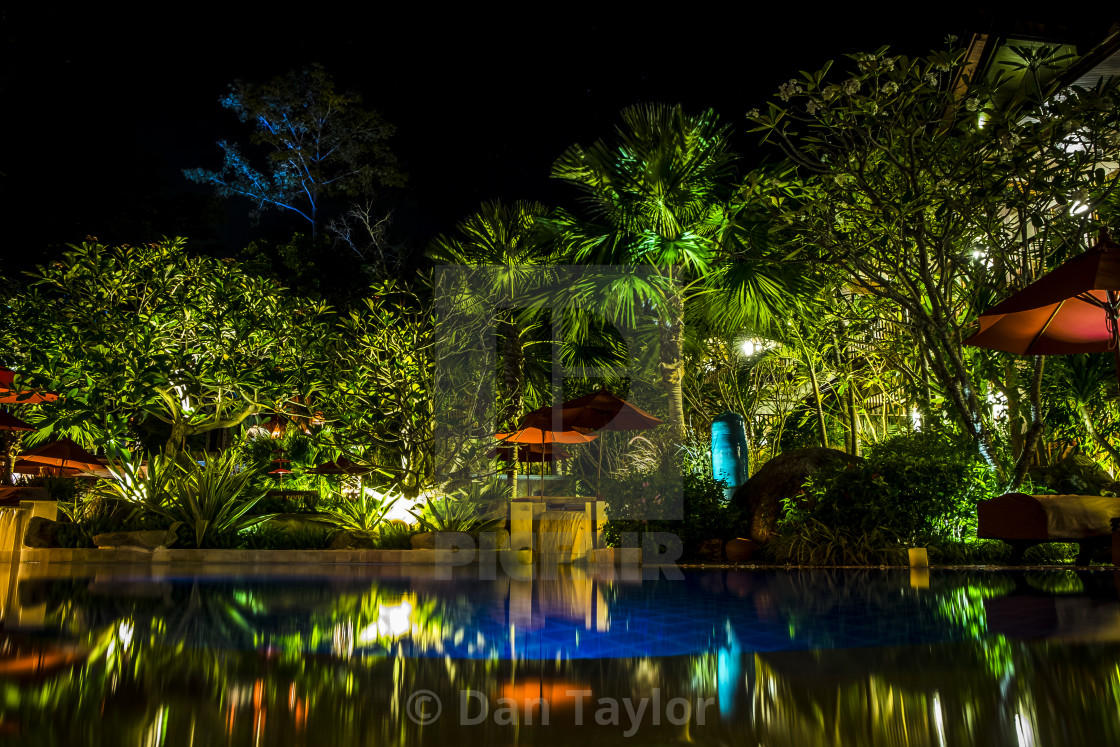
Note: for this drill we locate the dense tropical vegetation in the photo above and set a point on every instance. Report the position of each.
(824, 295)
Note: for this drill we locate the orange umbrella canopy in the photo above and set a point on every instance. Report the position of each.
(12, 423)
(599, 411)
(540, 436)
(1070, 310)
(530, 453)
(9, 395)
(64, 453)
(34, 468)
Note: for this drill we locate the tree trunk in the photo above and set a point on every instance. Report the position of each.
(822, 429)
(1034, 432)
(513, 361)
(853, 416)
(672, 363)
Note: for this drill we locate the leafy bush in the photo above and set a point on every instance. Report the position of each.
(456, 514)
(145, 489)
(361, 513)
(920, 487)
(393, 536)
(814, 543)
(280, 538)
(706, 515)
(211, 500)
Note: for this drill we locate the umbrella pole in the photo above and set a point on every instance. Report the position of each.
(1113, 303)
(599, 473)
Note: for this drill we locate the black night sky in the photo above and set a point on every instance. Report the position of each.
(103, 108)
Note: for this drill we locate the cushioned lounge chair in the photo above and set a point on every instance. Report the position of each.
(1023, 521)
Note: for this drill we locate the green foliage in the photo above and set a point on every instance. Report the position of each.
(706, 516)
(148, 488)
(280, 538)
(362, 512)
(909, 166)
(918, 487)
(393, 536)
(968, 552)
(814, 543)
(148, 340)
(212, 500)
(376, 386)
(455, 514)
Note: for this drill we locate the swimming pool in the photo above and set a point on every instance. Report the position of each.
(389, 655)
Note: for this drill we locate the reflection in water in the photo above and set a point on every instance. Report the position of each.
(119, 656)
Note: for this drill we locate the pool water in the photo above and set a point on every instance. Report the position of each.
(343, 655)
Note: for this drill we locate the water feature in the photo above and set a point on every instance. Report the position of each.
(390, 655)
(13, 520)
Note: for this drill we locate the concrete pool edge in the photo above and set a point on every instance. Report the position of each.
(607, 555)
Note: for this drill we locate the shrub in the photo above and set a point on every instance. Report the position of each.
(456, 514)
(361, 513)
(706, 515)
(212, 500)
(280, 538)
(395, 537)
(813, 543)
(919, 487)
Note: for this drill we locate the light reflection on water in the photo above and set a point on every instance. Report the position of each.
(337, 655)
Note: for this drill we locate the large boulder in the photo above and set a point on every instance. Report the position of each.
(296, 522)
(1077, 474)
(147, 540)
(497, 539)
(423, 541)
(347, 539)
(41, 532)
(759, 499)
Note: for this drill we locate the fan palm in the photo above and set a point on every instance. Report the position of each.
(508, 241)
(662, 195)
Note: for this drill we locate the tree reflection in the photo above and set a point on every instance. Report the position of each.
(335, 660)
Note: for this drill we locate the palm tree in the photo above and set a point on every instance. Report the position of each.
(508, 240)
(663, 195)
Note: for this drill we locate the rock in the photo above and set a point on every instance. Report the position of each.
(423, 541)
(41, 533)
(759, 500)
(740, 549)
(297, 522)
(1077, 474)
(348, 539)
(711, 549)
(432, 540)
(147, 540)
(497, 539)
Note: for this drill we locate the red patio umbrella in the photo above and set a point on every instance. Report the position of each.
(1073, 309)
(598, 411)
(12, 423)
(9, 395)
(530, 453)
(64, 453)
(34, 468)
(543, 437)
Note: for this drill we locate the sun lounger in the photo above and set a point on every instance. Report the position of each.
(1023, 521)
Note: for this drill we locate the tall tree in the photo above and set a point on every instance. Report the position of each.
(133, 336)
(507, 242)
(936, 189)
(318, 143)
(662, 196)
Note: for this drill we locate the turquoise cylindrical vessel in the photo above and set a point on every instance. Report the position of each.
(729, 451)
